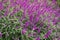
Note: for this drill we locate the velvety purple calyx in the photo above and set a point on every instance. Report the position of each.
(24, 31)
(34, 28)
(1, 6)
(37, 38)
(36, 19)
(31, 18)
(14, 12)
(48, 34)
(6, 11)
(13, 3)
(5, 1)
(1, 16)
(55, 21)
(38, 30)
(26, 24)
(0, 34)
(41, 24)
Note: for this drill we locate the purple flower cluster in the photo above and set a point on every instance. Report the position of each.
(35, 14)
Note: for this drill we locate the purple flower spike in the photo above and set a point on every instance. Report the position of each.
(31, 18)
(36, 19)
(48, 34)
(34, 28)
(1, 6)
(38, 38)
(26, 24)
(38, 30)
(6, 13)
(24, 31)
(41, 24)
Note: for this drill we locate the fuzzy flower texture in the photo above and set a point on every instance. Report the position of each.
(29, 19)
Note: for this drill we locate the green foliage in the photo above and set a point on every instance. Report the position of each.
(58, 1)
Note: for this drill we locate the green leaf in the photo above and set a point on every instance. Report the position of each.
(58, 1)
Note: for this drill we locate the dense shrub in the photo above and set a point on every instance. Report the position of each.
(29, 19)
